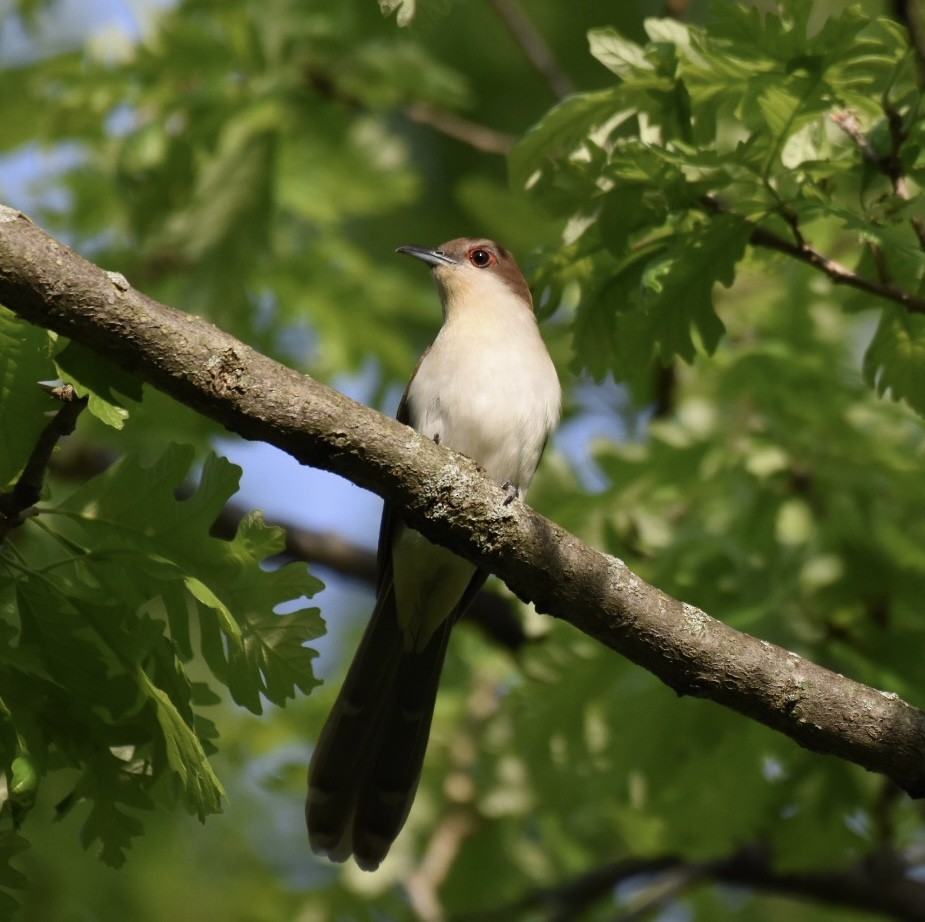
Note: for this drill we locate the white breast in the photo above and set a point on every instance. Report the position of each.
(488, 388)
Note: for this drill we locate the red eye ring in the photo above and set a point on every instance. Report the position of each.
(481, 258)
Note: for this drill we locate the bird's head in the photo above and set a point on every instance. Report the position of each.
(473, 267)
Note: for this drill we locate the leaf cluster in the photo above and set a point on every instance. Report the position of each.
(111, 594)
(795, 122)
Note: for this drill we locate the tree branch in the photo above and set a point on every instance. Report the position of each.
(836, 271)
(449, 500)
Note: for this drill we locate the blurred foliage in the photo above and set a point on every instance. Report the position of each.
(761, 457)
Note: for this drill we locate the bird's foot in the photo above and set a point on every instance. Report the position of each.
(512, 491)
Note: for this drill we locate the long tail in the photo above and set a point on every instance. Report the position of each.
(365, 769)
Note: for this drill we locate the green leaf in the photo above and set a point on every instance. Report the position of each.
(669, 31)
(563, 129)
(652, 302)
(232, 190)
(23, 780)
(113, 789)
(275, 655)
(131, 517)
(788, 105)
(108, 386)
(781, 103)
(185, 754)
(619, 55)
(405, 10)
(55, 632)
(202, 593)
(94, 675)
(626, 209)
(610, 330)
(25, 359)
(895, 359)
(678, 287)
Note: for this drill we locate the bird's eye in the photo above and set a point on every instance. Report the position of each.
(480, 257)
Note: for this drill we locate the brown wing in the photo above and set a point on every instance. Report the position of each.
(387, 523)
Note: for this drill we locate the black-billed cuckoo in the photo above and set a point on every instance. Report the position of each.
(487, 389)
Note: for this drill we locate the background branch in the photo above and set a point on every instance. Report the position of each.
(447, 498)
(869, 885)
(473, 134)
(480, 137)
(533, 45)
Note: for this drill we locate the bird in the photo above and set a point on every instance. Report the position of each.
(486, 388)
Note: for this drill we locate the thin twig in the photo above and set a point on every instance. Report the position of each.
(838, 273)
(849, 124)
(16, 503)
(793, 222)
(462, 818)
(910, 13)
(668, 887)
(868, 885)
(918, 225)
(480, 137)
(533, 46)
(423, 884)
(891, 164)
(895, 169)
(477, 136)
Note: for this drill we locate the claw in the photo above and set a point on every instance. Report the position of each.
(512, 491)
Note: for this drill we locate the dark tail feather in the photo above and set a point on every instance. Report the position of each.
(365, 769)
(389, 789)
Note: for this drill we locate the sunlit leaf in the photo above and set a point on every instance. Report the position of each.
(25, 360)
